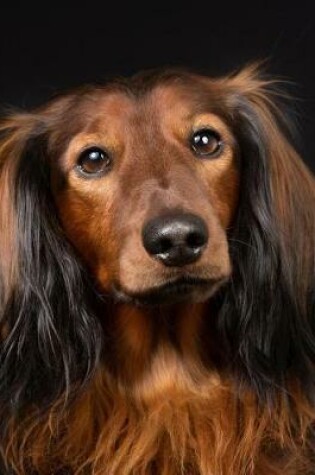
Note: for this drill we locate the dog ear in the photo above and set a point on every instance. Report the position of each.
(49, 338)
(267, 316)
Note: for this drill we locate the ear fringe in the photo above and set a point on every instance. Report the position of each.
(254, 77)
(267, 315)
(14, 133)
(46, 324)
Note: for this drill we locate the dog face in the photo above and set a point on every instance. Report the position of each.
(147, 188)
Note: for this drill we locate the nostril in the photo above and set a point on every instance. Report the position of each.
(163, 245)
(195, 240)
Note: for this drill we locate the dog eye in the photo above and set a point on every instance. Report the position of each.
(206, 142)
(93, 161)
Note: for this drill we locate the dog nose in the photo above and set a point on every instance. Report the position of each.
(175, 240)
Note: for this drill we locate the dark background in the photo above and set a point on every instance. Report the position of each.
(47, 48)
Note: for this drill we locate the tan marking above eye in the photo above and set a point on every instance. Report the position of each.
(212, 122)
(86, 141)
(182, 125)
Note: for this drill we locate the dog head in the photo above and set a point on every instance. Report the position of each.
(154, 190)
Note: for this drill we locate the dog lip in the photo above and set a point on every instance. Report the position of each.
(181, 284)
(169, 290)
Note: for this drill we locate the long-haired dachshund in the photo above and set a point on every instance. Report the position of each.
(157, 252)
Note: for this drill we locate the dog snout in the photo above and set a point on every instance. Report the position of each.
(175, 240)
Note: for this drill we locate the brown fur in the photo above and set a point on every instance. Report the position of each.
(162, 409)
(169, 424)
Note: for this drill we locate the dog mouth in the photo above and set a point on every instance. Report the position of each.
(183, 289)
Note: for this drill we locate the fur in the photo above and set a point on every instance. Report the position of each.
(93, 382)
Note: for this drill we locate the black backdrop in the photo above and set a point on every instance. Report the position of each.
(45, 48)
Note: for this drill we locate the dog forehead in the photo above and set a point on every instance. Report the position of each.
(117, 107)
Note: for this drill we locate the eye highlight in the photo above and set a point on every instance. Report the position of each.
(93, 162)
(206, 142)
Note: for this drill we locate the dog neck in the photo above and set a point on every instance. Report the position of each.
(140, 337)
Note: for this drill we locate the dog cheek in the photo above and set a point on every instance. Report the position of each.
(82, 230)
(225, 197)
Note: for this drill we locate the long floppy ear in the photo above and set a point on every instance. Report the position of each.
(268, 313)
(49, 339)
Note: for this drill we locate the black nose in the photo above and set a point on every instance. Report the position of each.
(175, 240)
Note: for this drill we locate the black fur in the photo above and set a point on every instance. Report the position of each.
(267, 328)
(55, 338)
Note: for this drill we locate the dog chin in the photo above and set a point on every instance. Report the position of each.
(182, 290)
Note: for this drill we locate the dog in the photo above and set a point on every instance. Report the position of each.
(157, 281)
